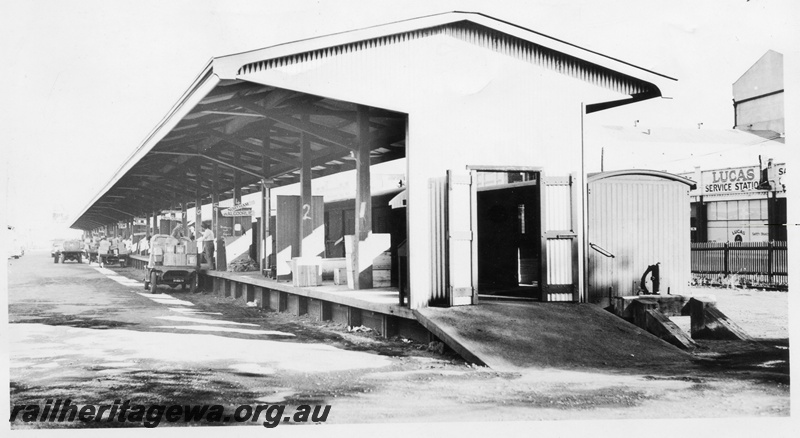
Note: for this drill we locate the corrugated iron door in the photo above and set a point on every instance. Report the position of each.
(559, 239)
(460, 239)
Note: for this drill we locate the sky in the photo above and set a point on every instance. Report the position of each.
(86, 80)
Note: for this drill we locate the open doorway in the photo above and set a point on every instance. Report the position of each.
(509, 233)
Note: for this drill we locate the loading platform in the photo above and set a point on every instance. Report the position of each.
(509, 336)
(377, 309)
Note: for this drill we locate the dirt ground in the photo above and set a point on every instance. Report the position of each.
(763, 314)
(102, 339)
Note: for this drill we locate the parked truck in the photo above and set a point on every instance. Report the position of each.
(70, 250)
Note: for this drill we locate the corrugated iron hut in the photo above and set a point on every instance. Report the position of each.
(637, 219)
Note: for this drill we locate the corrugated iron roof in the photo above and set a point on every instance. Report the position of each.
(219, 124)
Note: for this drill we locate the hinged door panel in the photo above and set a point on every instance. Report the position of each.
(559, 240)
(460, 238)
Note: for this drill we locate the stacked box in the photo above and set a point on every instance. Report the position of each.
(169, 259)
(180, 259)
(340, 276)
(191, 247)
(382, 262)
(169, 249)
(72, 246)
(158, 254)
(180, 249)
(382, 270)
(191, 259)
(306, 271)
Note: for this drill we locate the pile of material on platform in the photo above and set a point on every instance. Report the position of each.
(243, 266)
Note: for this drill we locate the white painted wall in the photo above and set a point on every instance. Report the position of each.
(467, 106)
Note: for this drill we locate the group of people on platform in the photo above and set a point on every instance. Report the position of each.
(99, 248)
(205, 242)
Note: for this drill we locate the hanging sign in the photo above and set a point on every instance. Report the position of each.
(243, 209)
(170, 215)
(237, 213)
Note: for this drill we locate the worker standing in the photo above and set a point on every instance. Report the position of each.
(207, 240)
(103, 249)
(177, 232)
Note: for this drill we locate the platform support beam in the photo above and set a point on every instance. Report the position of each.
(220, 262)
(306, 214)
(237, 196)
(265, 202)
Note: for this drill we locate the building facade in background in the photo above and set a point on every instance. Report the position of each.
(739, 204)
(747, 204)
(758, 97)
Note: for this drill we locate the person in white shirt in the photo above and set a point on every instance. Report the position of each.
(103, 250)
(144, 245)
(207, 240)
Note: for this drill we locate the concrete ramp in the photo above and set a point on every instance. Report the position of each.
(514, 335)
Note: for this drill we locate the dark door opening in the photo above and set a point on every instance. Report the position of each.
(509, 233)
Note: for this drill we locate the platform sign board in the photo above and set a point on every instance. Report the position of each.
(237, 213)
(238, 210)
(170, 215)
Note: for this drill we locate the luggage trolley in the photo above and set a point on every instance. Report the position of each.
(169, 263)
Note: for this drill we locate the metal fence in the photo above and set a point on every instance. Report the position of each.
(741, 263)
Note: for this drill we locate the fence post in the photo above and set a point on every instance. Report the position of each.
(725, 259)
(770, 271)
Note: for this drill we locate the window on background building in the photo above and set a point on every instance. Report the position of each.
(745, 219)
(711, 211)
(743, 208)
(733, 210)
(722, 210)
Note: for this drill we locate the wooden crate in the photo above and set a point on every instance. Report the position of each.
(381, 278)
(382, 270)
(382, 262)
(169, 259)
(306, 272)
(180, 259)
(340, 276)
